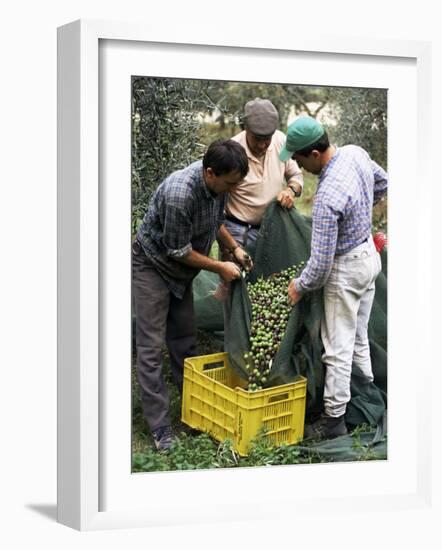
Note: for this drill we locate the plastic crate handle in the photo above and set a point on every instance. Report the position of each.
(201, 364)
(278, 397)
(214, 365)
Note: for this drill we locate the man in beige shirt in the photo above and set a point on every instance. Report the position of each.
(268, 178)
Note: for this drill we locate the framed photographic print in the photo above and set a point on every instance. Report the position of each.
(107, 464)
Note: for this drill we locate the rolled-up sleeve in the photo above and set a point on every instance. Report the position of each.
(292, 173)
(177, 230)
(380, 182)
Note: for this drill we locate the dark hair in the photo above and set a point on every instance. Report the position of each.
(321, 145)
(224, 156)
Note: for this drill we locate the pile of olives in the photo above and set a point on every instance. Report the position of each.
(270, 313)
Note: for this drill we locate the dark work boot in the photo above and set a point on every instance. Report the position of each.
(326, 427)
(163, 438)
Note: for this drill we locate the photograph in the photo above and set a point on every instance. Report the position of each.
(259, 228)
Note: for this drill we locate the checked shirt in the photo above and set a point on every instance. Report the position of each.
(348, 186)
(183, 215)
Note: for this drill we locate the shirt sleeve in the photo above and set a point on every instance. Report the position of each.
(324, 239)
(380, 182)
(177, 229)
(292, 173)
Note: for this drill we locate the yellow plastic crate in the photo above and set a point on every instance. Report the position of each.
(215, 401)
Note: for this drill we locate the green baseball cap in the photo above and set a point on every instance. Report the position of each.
(300, 134)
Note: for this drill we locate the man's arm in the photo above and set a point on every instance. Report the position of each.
(293, 176)
(226, 270)
(380, 182)
(226, 241)
(295, 181)
(323, 248)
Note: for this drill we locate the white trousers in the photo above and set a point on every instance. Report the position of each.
(348, 298)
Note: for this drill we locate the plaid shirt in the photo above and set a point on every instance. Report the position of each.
(348, 186)
(183, 215)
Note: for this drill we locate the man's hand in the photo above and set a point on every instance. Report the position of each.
(243, 258)
(294, 296)
(286, 198)
(228, 271)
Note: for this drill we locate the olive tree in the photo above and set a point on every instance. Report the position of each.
(361, 119)
(361, 115)
(227, 99)
(165, 126)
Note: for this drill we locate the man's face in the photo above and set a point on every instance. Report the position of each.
(225, 183)
(311, 163)
(258, 145)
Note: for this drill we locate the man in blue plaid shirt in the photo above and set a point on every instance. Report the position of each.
(343, 260)
(185, 216)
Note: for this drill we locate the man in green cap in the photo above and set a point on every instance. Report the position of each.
(343, 259)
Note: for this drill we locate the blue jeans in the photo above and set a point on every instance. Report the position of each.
(241, 233)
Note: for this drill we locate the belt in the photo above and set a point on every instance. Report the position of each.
(240, 222)
(348, 251)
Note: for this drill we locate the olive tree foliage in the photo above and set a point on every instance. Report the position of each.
(227, 100)
(165, 126)
(361, 119)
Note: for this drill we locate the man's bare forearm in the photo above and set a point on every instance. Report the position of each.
(225, 239)
(228, 271)
(199, 261)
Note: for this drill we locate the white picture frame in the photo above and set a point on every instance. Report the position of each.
(83, 298)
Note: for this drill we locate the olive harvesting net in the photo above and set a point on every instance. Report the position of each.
(261, 331)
